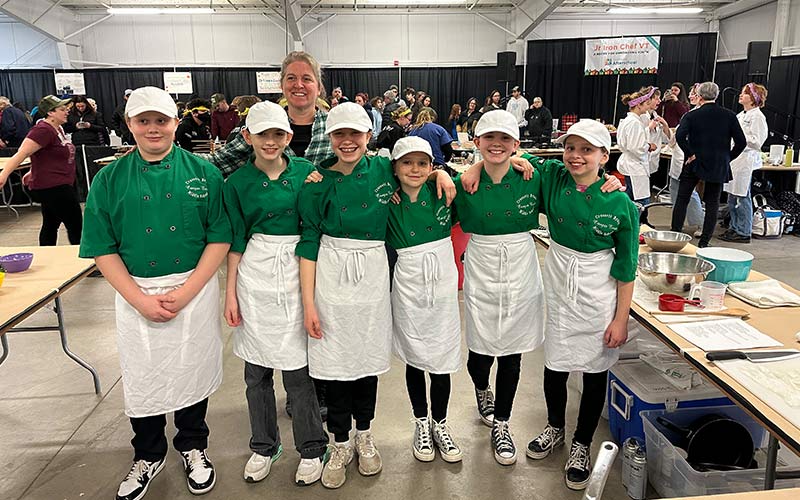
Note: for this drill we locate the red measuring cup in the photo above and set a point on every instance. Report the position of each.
(675, 303)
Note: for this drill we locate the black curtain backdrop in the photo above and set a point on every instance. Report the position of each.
(555, 72)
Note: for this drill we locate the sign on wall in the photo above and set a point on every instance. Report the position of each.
(178, 82)
(70, 84)
(622, 56)
(268, 82)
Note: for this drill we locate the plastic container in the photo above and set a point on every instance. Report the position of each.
(634, 386)
(670, 474)
(732, 265)
(16, 262)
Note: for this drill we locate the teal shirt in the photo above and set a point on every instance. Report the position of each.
(158, 216)
(590, 221)
(258, 205)
(411, 224)
(346, 206)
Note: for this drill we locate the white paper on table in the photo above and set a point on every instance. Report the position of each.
(648, 300)
(725, 334)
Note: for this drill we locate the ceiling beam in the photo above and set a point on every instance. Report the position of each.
(738, 7)
(550, 7)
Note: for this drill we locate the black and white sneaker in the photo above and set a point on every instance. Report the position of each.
(503, 443)
(578, 468)
(544, 444)
(200, 476)
(135, 484)
(423, 441)
(485, 405)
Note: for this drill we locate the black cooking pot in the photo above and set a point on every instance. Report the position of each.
(714, 439)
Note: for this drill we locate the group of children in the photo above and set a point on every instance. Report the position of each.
(309, 293)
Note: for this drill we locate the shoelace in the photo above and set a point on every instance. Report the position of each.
(502, 436)
(578, 457)
(423, 434)
(366, 445)
(443, 435)
(338, 457)
(548, 437)
(194, 459)
(138, 470)
(487, 399)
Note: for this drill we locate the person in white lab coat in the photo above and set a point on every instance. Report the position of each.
(657, 129)
(517, 106)
(754, 125)
(634, 141)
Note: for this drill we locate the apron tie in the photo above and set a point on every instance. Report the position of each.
(573, 267)
(502, 250)
(353, 269)
(282, 258)
(430, 273)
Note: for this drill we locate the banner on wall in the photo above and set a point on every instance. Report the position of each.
(178, 82)
(268, 82)
(622, 56)
(70, 84)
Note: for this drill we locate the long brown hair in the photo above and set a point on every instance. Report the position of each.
(455, 112)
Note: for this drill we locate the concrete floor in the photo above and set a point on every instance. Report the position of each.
(61, 441)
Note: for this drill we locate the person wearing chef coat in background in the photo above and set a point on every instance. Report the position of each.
(425, 312)
(694, 212)
(588, 274)
(157, 229)
(754, 125)
(344, 280)
(634, 140)
(262, 298)
(657, 129)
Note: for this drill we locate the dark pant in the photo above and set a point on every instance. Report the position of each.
(150, 443)
(60, 204)
(506, 380)
(440, 393)
(309, 438)
(351, 400)
(711, 194)
(593, 399)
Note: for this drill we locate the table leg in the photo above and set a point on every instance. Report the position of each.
(772, 463)
(4, 342)
(62, 331)
(7, 201)
(797, 182)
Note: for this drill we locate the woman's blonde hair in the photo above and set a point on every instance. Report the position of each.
(425, 115)
(300, 56)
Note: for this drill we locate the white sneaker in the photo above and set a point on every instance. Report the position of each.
(369, 460)
(135, 484)
(423, 443)
(309, 471)
(698, 233)
(258, 467)
(334, 474)
(200, 476)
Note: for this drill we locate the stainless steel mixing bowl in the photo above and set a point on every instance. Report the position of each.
(666, 241)
(672, 272)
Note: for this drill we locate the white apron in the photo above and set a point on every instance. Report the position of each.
(635, 159)
(427, 323)
(656, 136)
(742, 170)
(581, 302)
(355, 311)
(172, 365)
(268, 288)
(503, 294)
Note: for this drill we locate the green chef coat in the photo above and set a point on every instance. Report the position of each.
(256, 204)
(158, 216)
(590, 221)
(346, 206)
(511, 206)
(411, 224)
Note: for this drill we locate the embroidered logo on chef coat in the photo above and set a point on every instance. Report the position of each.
(384, 192)
(526, 204)
(605, 224)
(196, 187)
(443, 215)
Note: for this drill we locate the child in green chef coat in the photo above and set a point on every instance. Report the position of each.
(262, 299)
(588, 274)
(156, 226)
(344, 282)
(426, 319)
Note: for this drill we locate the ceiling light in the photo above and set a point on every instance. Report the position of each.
(151, 11)
(656, 10)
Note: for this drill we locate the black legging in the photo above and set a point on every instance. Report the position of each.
(350, 400)
(440, 393)
(506, 380)
(593, 398)
(711, 193)
(60, 204)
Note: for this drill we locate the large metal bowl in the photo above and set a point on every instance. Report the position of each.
(672, 272)
(666, 241)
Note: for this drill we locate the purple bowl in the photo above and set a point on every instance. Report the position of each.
(16, 262)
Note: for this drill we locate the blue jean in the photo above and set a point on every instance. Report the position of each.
(695, 212)
(741, 210)
(629, 190)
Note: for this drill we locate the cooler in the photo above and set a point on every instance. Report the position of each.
(634, 386)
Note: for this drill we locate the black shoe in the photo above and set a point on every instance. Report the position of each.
(734, 237)
(703, 244)
(485, 405)
(578, 468)
(200, 476)
(135, 484)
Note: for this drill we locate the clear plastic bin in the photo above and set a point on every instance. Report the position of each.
(672, 476)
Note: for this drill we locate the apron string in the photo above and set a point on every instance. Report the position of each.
(573, 268)
(282, 256)
(430, 272)
(502, 250)
(353, 269)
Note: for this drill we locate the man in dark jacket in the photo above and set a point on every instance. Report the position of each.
(705, 137)
(195, 127)
(540, 122)
(14, 125)
(118, 122)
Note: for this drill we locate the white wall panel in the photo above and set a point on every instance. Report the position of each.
(488, 40)
(182, 31)
(423, 38)
(735, 32)
(346, 38)
(383, 36)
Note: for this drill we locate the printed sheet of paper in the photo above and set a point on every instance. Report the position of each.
(725, 334)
